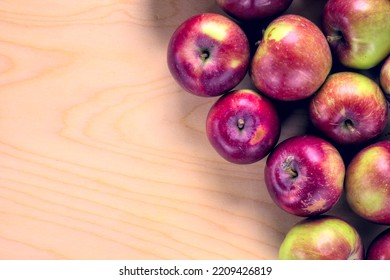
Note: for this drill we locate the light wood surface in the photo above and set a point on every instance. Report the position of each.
(103, 156)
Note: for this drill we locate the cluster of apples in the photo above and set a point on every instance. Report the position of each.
(210, 54)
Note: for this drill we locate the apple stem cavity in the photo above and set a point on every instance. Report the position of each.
(333, 38)
(288, 168)
(240, 124)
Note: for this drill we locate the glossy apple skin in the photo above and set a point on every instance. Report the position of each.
(243, 126)
(349, 108)
(384, 78)
(365, 29)
(208, 54)
(322, 238)
(253, 9)
(367, 182)
(379, 248)
(292, 60)
(304, 175)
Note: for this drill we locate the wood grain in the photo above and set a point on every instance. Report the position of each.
(103, 156)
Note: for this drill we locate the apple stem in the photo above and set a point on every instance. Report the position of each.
(349, 125)
(287, 166)
(240, 123)
(291, 172)
(332, 38)
(204, 55)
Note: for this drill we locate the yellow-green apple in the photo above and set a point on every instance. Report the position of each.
(253, 9)
(292, 60)
(379, 248)
(384, 78)
(367, 182)
(243, 126)
(349, 108)
(304, 175)
(208, 54)
(358, 31)
(322, 238)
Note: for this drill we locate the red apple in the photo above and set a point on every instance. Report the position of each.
(304, 175)
(350, 108)
(367, 182)
(322, 238)
(292, 60)
(379, 248)
(243, 126)
(253, 9)
(385, 78)
(208, 54)
(358, 31)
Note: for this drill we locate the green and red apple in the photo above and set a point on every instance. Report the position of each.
(367, 182)
(349, 108)
(208, 54)
(292, 60)
(322, 238)
(358, 31)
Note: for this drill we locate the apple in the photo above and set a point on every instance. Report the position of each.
(304, 175)
(208, 54)
(358, 31)
(384, 78)
(367, 182)
(253, 9)
(349, 108)
(292, 60)
(243, 126)
(379, 248)
(322, 238)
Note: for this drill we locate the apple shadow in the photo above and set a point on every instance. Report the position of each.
(366, 229)
(167, 15)
(309, 9)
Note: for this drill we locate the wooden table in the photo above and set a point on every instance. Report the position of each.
(104, 156)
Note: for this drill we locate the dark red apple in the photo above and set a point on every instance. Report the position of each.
(379, 248)
(253, 9)
(208, 54)
(292, 60)
(243, 126)
(358, 31)
(304, 175)
(322, 238)
(350, 108)
(367, 182)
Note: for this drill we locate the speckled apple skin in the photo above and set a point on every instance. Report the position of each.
(379, 248)
(322, 238)
(228, 54)
(320, 175)
(353, 96)
(259, 135)
(367, 183)
(292, 60)
(253, 9)
(365, 26)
